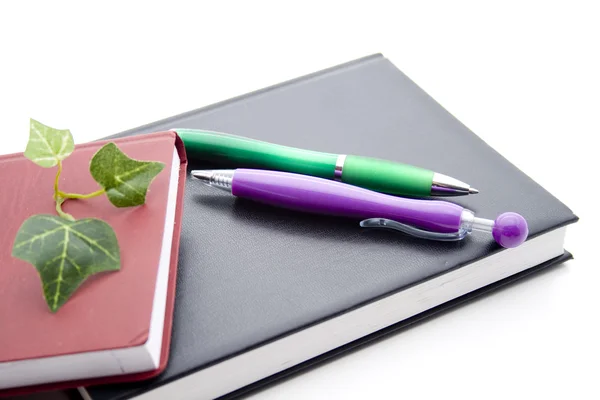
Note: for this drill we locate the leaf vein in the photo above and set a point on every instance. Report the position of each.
(38, 236)
(131, 187)
(52, 260)
(95, 243)
(132, 171)
(45, 141)
(63, 144)
(53, 221)
(77, 266)
(44, 158)
(61, 268)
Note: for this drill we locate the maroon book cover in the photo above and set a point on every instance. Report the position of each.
(110, 311)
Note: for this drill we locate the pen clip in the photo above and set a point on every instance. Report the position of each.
(413, 231)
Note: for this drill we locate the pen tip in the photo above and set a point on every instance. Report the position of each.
(473, 191)
(202, 175)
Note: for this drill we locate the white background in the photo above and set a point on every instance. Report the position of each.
(522, 75)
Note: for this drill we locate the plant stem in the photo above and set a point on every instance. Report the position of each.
(56, 191)
(57, 196)
(60, 212)
(61, 196)
(81, 196)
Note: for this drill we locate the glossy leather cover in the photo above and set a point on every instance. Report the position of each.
(251, 273)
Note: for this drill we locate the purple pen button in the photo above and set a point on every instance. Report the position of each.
(510, 230)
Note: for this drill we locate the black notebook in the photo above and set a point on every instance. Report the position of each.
(264, 292)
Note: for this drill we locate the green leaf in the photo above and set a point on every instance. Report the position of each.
(66, 253)
(47, 146)
(125, 180)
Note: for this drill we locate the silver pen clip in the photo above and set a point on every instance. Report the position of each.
(412, 231)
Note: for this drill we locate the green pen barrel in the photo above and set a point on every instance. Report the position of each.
(241, 152)
(387, 176)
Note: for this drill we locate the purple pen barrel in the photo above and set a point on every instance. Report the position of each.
(322, 196)
(309, 194)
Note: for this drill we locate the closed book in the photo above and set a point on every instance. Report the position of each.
(117, 325)
(264, 292)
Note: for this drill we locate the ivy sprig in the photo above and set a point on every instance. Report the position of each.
(64, 250)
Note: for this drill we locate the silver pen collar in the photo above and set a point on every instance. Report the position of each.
(339, 167)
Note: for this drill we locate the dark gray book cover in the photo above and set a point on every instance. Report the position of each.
(250, 274)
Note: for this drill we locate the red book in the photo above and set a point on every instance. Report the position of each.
(117, 325)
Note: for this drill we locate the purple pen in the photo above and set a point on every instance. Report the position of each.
(428, 219)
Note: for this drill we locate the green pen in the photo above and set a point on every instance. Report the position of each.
(370, 173)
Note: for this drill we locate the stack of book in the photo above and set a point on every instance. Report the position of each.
(218, 296)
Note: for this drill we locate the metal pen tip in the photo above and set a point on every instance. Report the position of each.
(222, 178)
(202, 175)
(473, 191)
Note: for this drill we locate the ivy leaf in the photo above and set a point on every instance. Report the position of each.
(125, 180)
(66, 253)
(47, 146)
